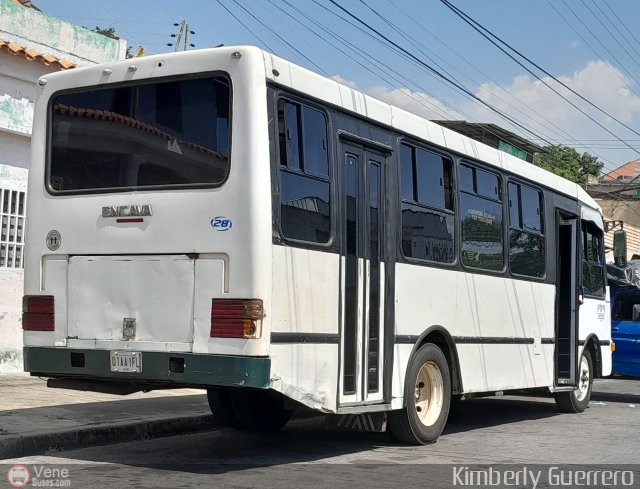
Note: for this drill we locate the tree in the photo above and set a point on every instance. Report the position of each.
(110, 32)
(568, 163)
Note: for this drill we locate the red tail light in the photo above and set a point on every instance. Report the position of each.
(236, 318)
(37, 313)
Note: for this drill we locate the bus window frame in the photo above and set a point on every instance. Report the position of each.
(543, 224)
(582, 249)
(147, 81)
(453, 213)
(334, 214)
(504, 271)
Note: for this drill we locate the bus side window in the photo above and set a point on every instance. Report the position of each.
(304, 173)
(428, 225)
(592, 259)
(481, 217)
(526, 237)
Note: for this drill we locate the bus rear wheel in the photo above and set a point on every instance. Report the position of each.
(221, 409)
(259, 410)
(577, 400)
(427, 398)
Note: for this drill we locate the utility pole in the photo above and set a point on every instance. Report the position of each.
(183, 31)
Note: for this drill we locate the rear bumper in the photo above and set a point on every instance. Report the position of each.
(158, 368)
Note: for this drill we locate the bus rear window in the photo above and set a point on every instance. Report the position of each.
(168, 133)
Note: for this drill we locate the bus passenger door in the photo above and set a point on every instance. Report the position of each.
(362, 276)
(567, 283)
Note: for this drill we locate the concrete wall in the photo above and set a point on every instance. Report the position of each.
(629, 213)
(11, 279)
(33, 29)
(18, 76)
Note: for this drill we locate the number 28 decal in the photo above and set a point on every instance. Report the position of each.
(221, 223)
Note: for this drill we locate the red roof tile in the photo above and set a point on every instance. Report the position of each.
(27, 3)
(630, 169)
(35, 55)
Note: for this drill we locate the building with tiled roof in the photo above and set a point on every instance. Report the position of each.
(35, 55)
(623, 173)
(618, 193)
(32, 44)
(27, 3)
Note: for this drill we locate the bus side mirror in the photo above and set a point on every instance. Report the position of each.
(620, 247)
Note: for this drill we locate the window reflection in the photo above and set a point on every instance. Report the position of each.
(427, 205)
(482, 245)
(304, 207)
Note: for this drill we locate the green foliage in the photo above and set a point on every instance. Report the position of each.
(110, 32)
(568, 163)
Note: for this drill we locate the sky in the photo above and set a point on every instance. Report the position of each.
(440, 67)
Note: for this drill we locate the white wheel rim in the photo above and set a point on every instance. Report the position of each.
(429, 393)
(584, 375)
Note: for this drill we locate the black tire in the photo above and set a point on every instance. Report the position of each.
(221, 409)
(456, 398)
(259, 410)
(405, 424)
(570, 402)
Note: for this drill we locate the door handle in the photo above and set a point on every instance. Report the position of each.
(581, 295)
(615, 329)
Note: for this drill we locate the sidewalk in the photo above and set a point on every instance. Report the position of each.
(35, 419)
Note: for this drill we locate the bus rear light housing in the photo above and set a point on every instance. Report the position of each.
(38, 313)
(236, 318)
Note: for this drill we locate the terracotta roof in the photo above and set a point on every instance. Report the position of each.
(626, 171)
(27, 3)
(35, 55)
(107, 115)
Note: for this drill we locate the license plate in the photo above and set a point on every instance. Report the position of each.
(125, 361)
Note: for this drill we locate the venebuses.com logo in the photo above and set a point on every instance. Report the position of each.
(18, 476)
(38, 476)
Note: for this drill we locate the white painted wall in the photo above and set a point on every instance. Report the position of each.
(14, 148)
(18, 77)
(30, 28)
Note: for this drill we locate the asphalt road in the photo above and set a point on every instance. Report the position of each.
(496, 430)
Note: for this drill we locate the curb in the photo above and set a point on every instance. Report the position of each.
(40, 444)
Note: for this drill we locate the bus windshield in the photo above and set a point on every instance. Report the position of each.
(166, 133)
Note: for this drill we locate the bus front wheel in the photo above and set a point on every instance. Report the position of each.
(577, 400)
(427, 397)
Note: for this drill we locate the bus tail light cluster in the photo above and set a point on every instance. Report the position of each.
(236, 318)
(37, 313)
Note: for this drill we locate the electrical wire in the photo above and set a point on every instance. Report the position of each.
(436, 72)
(480, 29)
(245, 26)
(291, 46)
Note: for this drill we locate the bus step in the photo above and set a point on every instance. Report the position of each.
(374, 422)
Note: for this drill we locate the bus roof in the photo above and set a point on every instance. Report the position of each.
(297, 78)
(333, 92)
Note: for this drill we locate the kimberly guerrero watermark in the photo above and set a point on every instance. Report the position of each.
(550, 476)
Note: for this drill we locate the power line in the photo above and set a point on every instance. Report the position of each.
(436, 72)
(480, 29)
(622, 23)
(597, 38)
(543, 122)
(617, 74)
(291, 46)
(613, 24)
(425, 102)
(245, 26)
(606, 163)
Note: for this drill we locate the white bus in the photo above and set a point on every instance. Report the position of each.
(226, 219)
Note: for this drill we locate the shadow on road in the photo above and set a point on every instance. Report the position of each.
(489, 412)
(616, 397)
(304, 439)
